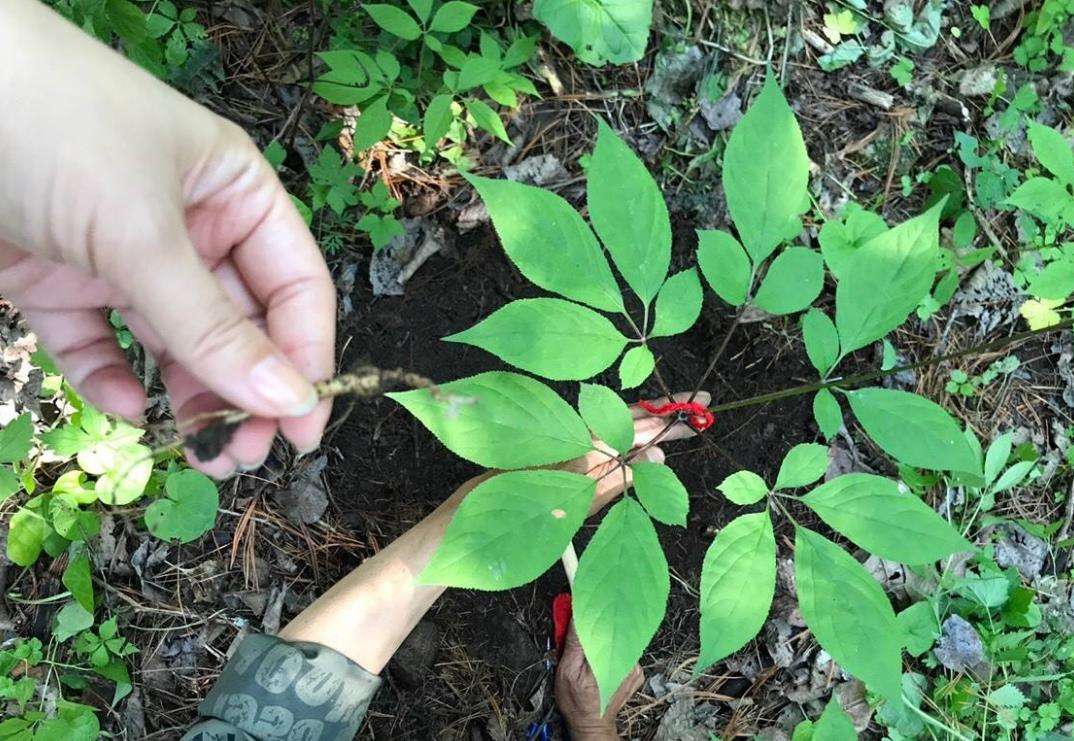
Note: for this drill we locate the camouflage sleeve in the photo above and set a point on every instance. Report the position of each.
(275, 690)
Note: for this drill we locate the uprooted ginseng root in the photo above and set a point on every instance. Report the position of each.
(366, 382)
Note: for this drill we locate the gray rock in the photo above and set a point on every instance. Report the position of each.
(960, 648)
(1021, 550)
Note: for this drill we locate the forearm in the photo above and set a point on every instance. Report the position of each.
(368, 614)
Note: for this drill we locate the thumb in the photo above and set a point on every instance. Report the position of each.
(204, 330)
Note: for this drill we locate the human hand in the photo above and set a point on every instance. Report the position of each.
(578, 696)
(649, 432)
(116, 191)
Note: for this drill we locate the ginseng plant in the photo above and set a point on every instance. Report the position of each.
(515, 525)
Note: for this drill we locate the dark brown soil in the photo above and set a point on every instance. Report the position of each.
(392, 466)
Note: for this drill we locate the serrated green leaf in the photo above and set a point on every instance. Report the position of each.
(744, 487)
(629, 215)
(188, 509)
(394, 20)
(500, 420)
(919, 627)
(875, 515)
(678, 304)
(766, 173)
(821, 340)
(550, 337)
(620, 594)
(549, 242)
(452, 16)
(841, 238)
(26, 535)
(78, 579)
(510, 529)
(1007, 696)
(607, 416)
(636, 366)
(738, 581)
(1052, 150)
(848, 612)
(661, 493)
(724, 264)
(885, 279)
(827, 413)
(794, 280)
(913, 430)
(16, 438)
(599, 31)
(803, 464)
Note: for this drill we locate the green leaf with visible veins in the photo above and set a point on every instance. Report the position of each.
(510, 529)
(1053, 151)
(794, 280)
(188, 509)
(661, 493)
(373, 125)
(827, 413)
(549, 242)
(766, 173)
(551, 337)
(885, 279)
(599, 31)
(724, 264)
(803, 464)
(744, 487)
(678, 304)
(821, 340)
(607, 416)
(738, 581)
(487, 119)
(913, 430)
(848, 612)
(620, 594)
(629, 214)
(26, 535)
(500, 420)
(16, 438)
(875, 515)
(394, 20)
(636, 366)
(1045, 198)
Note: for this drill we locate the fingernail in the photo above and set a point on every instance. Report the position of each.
(308, 449)
(281, 386)
(654, 455)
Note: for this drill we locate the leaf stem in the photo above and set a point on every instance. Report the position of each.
(719, 352)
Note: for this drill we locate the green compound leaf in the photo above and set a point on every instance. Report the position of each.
(661, 493)
(637, 365)
(848, 612)
(549, 242)
(510, 529)
(724, 264)
(886, 279)
(16, 438)
(794, 280)
(875, 515)
(550, 337)
(452, 17)
(188, 508)
(804, 464)
(738, 581)
(607, 416)
(620, 594)
(599, 31)
(26, 535)
(629, 214)
(821, 340)
(395, 21)
(500, 420)
(78, 579)
(678, 304)
(827, 413)
(913, 430)
(744, 487)
(1052, 151)
(766, 173)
